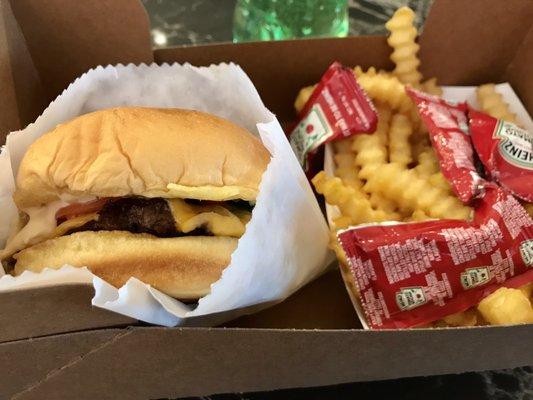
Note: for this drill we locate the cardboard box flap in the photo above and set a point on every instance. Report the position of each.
(482, 36)
(518, 73)
(66, 38)
(169, 363)
(21, 90)
(69, 304)
(309, 308)
(276, 73)
(28, 363)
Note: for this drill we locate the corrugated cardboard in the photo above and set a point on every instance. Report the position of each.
(314, 337)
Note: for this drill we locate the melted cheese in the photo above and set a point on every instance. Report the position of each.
(41, 226)
(215, 218)
(214, 193)
(73, 223)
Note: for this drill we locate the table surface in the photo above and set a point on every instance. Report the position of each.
(181, 22)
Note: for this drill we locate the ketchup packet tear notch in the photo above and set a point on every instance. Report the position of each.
(338, 108)
(410, 274)
(506, 152)
(450, 136)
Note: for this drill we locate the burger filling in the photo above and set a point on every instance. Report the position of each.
(164, 218)
(155, 216)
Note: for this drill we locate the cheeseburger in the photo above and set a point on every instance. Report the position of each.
(162, 195)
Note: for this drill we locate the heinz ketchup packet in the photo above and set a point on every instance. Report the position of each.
(448, 130)
(410, 274)
(337, 108)
(506, 151)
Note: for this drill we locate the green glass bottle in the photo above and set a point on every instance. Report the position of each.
(288, 19)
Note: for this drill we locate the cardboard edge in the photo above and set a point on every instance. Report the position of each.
(181, 351)
(22, 92)
(76, 29)
(76, 314)
(519, 70)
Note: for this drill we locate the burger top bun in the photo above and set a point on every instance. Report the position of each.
(142, 151)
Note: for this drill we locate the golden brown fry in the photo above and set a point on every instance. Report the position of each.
(343, 146)
(380, 202)
(402, 39)
(347, 170)
(527, 290)
(430, 86)
(358, 71)
(371, 150)
(491, 102)
(418, 216)
(399, 148)
(302, 97)
(336, 247)
(464, 318)
(439, 181)
(411, 193)
(351, 203)
(506, 306)
(342, 222)
(428, 163)
(419, 144)
(387, 90)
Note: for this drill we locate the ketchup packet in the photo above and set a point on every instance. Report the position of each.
(448, 130)
(506, 151)
(410, 274)
(337, 108)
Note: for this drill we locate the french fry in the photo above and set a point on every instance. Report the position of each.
(428, 164)
(464, 318)
(347, 170)
(302, 97)
(394, 173)
(358, 71)
(411, 193)
(399, 148)
(380, 202)
(370, 149)
(420, 143)
(351, 203)
(527, 290)
(430, 86)
(491, 102)
(343, 146)
(439, 181)
(342, 222)
(402, 39)
(386, 89)
(336, 247)
(506, 306)
(418, 216)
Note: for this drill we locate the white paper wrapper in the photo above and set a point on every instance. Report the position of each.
(452, 93)
(285, 244)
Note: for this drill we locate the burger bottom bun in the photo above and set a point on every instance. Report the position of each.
(182, 267)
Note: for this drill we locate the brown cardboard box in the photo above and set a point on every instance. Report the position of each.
(52, 343)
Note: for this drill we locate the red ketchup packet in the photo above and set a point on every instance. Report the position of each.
(448, 130)
(506, 152)
(337, 108)
(410, 274)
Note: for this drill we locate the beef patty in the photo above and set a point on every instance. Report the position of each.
(136, 215)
